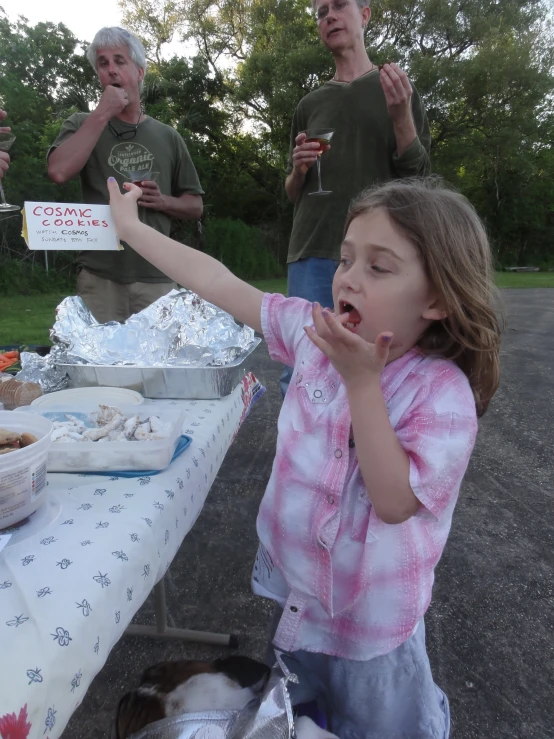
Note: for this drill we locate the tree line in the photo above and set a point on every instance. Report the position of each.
(484, 69)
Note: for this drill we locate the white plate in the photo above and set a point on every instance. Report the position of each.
(86, 396)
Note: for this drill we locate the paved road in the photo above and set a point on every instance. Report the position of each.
(490, 629)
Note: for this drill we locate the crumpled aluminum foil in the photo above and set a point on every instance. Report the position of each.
(42, 370)
(269, 718)
(178, 330)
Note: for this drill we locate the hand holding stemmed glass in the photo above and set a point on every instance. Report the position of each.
(4, 158)
(310, 145)
(6, 140)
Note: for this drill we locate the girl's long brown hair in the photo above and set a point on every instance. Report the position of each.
(448, 233)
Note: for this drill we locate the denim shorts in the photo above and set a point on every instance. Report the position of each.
(388, 697)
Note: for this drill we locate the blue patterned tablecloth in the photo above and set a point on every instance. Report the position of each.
(69, 590)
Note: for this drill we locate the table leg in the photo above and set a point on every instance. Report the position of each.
(162, 631)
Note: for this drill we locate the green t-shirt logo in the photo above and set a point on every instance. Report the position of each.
(130, 157)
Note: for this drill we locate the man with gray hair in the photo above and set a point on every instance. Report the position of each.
(380, 133)
(118, 140)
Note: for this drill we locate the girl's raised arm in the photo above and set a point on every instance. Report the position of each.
(191, 268)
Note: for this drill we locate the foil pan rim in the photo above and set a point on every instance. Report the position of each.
(238, 361)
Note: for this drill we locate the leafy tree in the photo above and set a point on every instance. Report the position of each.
(483, 67)
(155, 21)
(44, 76)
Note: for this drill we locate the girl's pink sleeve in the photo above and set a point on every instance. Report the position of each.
(283, 321)
(439, 435)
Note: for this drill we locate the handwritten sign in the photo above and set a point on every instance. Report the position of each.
(68, 226)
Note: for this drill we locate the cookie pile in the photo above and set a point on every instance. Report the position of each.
(10, 441)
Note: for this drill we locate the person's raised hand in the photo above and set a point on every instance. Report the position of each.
(112, 102)
(124, 207)
(304, 154)
(398, 92)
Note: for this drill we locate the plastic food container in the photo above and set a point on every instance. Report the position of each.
(85, 397)
(112, 456)
(23, 471)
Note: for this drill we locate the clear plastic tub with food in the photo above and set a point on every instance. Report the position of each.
(112, 438)
(24, 445)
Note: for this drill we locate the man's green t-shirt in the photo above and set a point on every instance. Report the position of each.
(362, 153)
(157, 148)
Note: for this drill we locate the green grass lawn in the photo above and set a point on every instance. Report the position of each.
(525, 279)
(27, 319)
(503, 279)
(278, 285)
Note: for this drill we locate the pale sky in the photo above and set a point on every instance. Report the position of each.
(83, 19)
(73, 14)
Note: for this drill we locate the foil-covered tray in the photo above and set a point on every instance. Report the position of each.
(163, 382)
(177, 330)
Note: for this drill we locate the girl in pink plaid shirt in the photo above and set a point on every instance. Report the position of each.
(375, 435)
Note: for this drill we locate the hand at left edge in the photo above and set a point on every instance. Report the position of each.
(4, 129)
(353, 357)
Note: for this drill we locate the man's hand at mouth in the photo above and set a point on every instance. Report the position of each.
(114, 99)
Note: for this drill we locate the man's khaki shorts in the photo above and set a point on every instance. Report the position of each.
(116, 301)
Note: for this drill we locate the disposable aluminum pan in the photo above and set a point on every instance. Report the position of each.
(163, 382)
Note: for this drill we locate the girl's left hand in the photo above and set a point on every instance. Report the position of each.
(352, 357)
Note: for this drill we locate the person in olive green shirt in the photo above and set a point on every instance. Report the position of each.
(380, 133)
(116, 140)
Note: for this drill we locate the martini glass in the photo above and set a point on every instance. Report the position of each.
(6, 140)
(141, 175)
(323, 137)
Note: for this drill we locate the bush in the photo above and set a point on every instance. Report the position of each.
(241, 248)
(30, 277)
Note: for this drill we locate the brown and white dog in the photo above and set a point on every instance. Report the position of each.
(189, 686)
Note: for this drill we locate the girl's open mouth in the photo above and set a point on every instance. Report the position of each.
(354, 318)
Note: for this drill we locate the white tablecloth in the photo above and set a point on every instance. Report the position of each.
(68, 591)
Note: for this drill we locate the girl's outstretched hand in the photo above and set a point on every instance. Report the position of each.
(124, 207)
(352, 357)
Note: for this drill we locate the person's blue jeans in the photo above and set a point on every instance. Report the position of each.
(311, 279)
